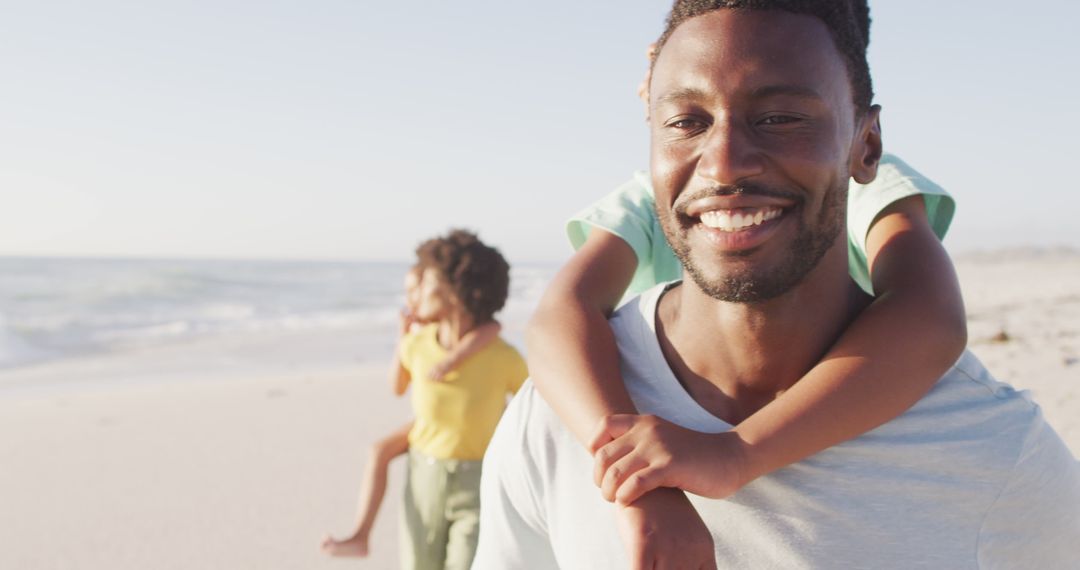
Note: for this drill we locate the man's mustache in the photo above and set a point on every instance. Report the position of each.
(750, 189)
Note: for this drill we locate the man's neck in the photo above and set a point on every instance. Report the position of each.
(734, 358)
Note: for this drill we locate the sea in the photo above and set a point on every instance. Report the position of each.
(54, 309)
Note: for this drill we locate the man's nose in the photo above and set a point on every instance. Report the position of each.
(729, 154)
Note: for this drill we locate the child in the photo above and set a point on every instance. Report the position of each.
(463, 284)
(373, 487)
(886, 360)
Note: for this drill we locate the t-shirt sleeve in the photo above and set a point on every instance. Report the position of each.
(895, 181)
(627, 213)
(1035, 521)
(513, 530)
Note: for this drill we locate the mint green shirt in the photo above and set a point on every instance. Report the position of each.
(629, 213)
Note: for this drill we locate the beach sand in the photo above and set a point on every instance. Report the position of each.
(1023, 311)
(242, 453)
(214, 472)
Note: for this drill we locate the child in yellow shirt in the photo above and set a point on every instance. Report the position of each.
(463, 284)
(396, 443)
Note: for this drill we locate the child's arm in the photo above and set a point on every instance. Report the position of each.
(470, 344)
(574, 363)
(399, 375)
(572, 355)
(889, 357)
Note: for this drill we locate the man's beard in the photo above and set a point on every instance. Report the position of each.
(763, 283)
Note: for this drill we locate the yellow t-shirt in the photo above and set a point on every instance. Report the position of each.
(455, 418)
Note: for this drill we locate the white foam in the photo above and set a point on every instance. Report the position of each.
(15, 351)
(62, 308)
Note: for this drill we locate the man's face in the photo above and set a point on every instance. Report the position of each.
(753, 130)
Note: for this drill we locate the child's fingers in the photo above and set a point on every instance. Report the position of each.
(600, 438)
(618, 472)
(606, 456)
(638, 483)
(610, 428)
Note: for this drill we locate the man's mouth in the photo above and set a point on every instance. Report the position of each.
(739, 219)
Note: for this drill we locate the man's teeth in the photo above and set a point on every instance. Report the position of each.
(734, 220)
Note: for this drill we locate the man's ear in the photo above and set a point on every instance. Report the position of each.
(866, 152)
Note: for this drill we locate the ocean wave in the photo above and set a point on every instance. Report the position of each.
(16, 351)
(61, 308)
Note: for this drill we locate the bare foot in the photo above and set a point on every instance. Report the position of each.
(355, 546)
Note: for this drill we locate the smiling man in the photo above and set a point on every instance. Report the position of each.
(760, 114)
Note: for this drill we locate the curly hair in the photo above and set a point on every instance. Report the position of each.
(477, 273)
(848, 22)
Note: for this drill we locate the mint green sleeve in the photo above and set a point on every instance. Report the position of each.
(895, 181)
(627, 213)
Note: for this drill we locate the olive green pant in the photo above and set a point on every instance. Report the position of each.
(440, 520)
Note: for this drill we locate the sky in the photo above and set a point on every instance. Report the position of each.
(354, 129)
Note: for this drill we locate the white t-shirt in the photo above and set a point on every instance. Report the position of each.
(970, 477)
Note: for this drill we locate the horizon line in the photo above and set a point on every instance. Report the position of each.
(230, 258)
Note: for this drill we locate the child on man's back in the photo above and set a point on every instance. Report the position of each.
(887, 359)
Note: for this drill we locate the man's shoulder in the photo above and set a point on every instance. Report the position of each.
(531, 417)
(537, 495)
(529, 445)
(1038, 472)
(1003, 410)
(969, 389)
(969, 421)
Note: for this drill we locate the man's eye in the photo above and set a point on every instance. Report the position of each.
(685, 124)
(779, 120)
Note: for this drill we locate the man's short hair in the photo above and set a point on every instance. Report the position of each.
(477, 273)
(848, 22)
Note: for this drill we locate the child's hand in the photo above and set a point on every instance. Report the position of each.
(662, 530)
(637, 453)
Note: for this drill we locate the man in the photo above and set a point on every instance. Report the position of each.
(763, 109)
